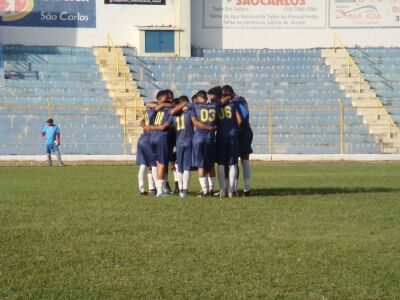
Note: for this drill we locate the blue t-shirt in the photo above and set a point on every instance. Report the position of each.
(184, 129)
(162, 117)
(50, 134)
(227, 126)
(149, 117)
(241, 104)
(206, 114)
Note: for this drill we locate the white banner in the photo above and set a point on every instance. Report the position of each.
(364, 13)
(264, 14)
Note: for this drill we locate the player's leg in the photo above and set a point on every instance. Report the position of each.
(211, 181)
(141, 176)
(140, 161)
(48, 151)
(245, 161)
(221, 168)
(162, 166)
(179, 168)
(232, 160)
(186, 170)
(151, 182)
(199, 147)
(59, 160)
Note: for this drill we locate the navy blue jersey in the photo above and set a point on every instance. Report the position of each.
(162, 117)
(184, 129)
(227, 126)
(149, 117)
(243, 109)
(206, 114)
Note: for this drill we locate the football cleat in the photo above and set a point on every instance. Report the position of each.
(159, 195)
(247, 193)
(152, 192)
(203, 195)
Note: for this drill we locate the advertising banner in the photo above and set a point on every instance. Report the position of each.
(264, 14)
(364, 13)
(48, 13)
(145, 2)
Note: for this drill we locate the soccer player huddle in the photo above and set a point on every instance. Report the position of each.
(211, 129)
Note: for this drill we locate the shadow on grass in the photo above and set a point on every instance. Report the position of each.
(319, 191)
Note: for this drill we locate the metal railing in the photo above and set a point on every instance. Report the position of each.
(350, 61)
(112, 48)
(268, 113)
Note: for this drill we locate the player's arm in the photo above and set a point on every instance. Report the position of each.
(200, 125)
(162, 127)
(58, 137)
(143, 125)
(225, 100)
(178, 108)
(151, 104)
(238, 118)
(164, 105)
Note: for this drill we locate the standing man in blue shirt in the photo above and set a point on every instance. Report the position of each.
(51, 136)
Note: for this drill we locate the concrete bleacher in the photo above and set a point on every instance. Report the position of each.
(59, 76)
(381, 69)
(282, 78)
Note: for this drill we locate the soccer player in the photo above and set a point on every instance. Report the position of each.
(145, 157)
(159, 143)
(229, 121)
(204, 118)
(51, 135)
(184, 132)
(245, 135)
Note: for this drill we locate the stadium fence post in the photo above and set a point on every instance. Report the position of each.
(348, 66)
(125, 128)
(270, 128)
(342, 108)
(334, 42)
(48, 108)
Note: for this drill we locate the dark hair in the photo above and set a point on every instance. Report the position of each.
(161, 93)
(183, 99)
(170, 92)
(217, 91)
(50, 121)
(202, 94)
(227, 89)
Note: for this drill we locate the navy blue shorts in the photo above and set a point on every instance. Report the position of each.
(227, 151)
(204, 153)
(51, 148)
(245, 140)
(184, 158)
(144, 153)
(160, 150)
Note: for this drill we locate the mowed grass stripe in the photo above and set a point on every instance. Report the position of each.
(316, 230)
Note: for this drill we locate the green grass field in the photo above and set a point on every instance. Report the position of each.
(313, 231)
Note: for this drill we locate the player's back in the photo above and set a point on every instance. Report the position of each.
(184, 129)
(162, 117)
(206, 114)
(149, 117)
(243, 109)
(227, 126)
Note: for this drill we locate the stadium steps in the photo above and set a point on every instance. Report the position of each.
(364, 98)
(123, 91)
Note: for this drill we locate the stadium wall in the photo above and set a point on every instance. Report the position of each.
(237, 24)
(120, 20)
